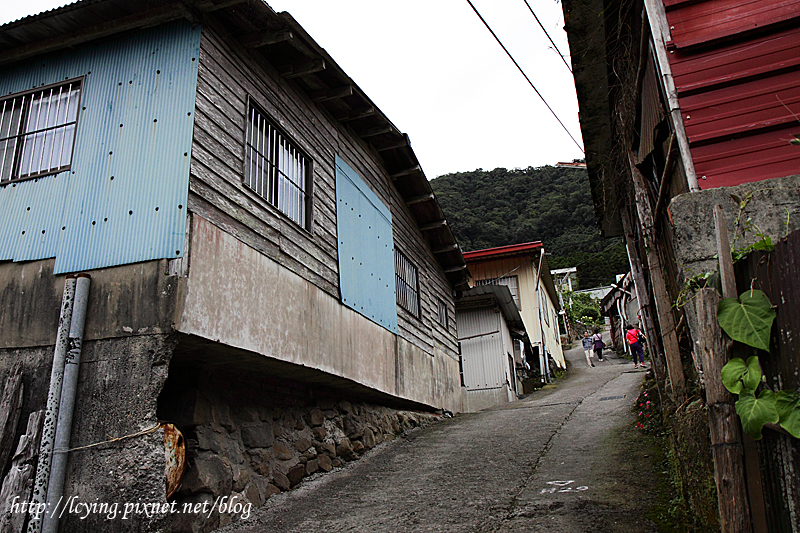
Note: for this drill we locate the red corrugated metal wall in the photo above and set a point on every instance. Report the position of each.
(736, 66)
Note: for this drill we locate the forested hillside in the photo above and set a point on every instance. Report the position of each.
(553, 205)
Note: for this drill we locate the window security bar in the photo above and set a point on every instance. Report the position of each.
(37, 131)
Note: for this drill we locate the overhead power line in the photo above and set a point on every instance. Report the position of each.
(525, 75)
(548, 36)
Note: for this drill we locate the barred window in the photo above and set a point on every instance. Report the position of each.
(406, 283)
(509, 281)
(37, 131)
(276, 169)
(442, 312)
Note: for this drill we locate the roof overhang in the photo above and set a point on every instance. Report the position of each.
(532, 250)
(267, 37)
(586, 25)
(618, 290)
(490, 296)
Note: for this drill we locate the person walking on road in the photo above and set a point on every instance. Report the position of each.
(597, 340)
(635, 338)
(587, 347)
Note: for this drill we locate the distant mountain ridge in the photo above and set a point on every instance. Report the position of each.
(489, 208)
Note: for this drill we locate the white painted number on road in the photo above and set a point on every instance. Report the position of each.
(562, 486)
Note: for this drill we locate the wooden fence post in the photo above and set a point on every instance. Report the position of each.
(723, 424)
(750, 452)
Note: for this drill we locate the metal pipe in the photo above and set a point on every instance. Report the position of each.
(51, 412)
(658, 28)
(546, 366)
(58, 470)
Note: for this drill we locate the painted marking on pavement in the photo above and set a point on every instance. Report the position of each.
(562, 486)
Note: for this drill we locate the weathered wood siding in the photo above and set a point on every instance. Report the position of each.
(227, 78)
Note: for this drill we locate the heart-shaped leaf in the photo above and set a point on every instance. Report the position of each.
(747, 319)
(753, 376)
(738, 376)
(732, 374)
(787, 404)
(755, 412)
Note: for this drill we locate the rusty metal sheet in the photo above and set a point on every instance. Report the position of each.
(175, 450)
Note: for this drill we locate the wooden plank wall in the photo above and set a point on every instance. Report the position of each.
(776, 274)
(226, 78)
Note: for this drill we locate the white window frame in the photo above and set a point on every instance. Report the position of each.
(275, 167)
(36, 125)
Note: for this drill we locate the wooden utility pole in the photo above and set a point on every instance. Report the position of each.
(666, 319)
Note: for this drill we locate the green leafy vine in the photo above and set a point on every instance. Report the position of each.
(748, 319)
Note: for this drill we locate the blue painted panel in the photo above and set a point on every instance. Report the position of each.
(124, 199)
(366, 249)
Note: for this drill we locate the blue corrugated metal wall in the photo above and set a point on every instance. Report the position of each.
(124, 199)
(366, 249)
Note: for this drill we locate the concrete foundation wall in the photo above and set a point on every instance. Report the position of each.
(773, 210)
(483, 399)
(124, 301)
(265, 435)
(236, 296)
(118, 386)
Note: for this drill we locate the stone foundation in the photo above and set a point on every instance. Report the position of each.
(250, 437)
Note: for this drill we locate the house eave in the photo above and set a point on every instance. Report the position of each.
(586, 32)
(271, 37)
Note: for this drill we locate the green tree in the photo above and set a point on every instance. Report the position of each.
(494, 208)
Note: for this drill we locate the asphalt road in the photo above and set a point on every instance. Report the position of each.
(565, 459)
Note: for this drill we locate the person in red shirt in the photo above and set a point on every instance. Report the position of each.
(634, 338)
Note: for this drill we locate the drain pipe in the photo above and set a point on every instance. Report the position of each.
(51, 412)
(659, 27)
(58, 472)
(546, 366)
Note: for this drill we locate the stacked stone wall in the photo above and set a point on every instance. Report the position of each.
(250, 438)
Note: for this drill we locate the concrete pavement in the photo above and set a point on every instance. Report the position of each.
(565, 459)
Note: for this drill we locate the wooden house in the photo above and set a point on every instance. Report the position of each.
(524, 269)
(259, 236)
(689, 113)
(494, 346)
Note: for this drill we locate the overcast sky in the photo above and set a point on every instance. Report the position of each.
(435, 70)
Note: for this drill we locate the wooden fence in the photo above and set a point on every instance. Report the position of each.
(777, 274)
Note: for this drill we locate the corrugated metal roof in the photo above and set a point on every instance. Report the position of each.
(511, 249)
(499, 295)
(740, 92)
(124, 198)
(693, 23)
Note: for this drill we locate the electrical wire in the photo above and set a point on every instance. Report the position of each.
(523, 73)
(548, 36)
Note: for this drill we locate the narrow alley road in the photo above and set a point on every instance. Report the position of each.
(565, 459)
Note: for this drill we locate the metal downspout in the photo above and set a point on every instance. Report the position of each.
(658, 26)
(51, 412)
(541, 327)
(624, 323)
(58, 471)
